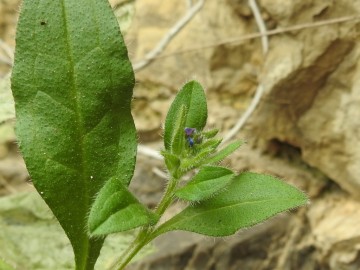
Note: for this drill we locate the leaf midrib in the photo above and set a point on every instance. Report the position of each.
(79, 128)
(226, 206)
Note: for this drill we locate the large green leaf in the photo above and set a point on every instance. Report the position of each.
(72, 83)
(116, 209)
(191, 96)
(250, 199)
(208, 181)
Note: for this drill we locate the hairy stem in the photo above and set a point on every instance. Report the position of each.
(146, 235)
(168, 197)
(141, 240)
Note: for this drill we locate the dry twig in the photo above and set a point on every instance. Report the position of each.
(8, 187)
(150, 56)
(9, 53)
(261, 25)
(160, 173)
(7, 49)
(268, 34)
(260, 89)
(147, 151)
(6, 61)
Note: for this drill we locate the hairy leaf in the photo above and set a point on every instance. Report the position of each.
(172, 162)
(223, 153)
(178, 140)
(208, 181)
(72, 83)
(196, 161)
(211, 144)
(191, 96)
(249, 199)
(210, 133)
(116, 209)
(201, 157)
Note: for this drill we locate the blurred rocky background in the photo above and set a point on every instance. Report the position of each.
(305, 129)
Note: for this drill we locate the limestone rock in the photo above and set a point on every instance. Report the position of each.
(312, 96)
(334, 225)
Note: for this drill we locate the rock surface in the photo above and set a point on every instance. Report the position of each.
(312, 96)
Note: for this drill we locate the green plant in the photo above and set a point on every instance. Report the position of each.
(72, 82)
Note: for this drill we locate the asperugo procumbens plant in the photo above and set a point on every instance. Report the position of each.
(72, 83)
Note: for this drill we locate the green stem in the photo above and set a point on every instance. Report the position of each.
(146, 235)
(168, 197)
(130, 253)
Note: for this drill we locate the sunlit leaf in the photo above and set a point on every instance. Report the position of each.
(249, 199)
(172, 162)
(208, 181)
(178, 140)
(116, 209)
(191, 96)
(225, 152)
(209, 134)
(72, 82)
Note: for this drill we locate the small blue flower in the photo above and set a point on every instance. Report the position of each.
(190, 131)
(190, 141)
